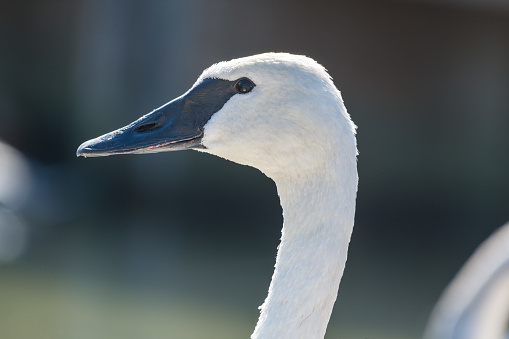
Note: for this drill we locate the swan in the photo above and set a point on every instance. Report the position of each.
(475, 305)
(282, 114)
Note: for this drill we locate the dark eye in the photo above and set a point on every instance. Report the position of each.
(244, 85)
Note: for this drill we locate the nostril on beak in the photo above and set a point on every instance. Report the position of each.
(148, 126)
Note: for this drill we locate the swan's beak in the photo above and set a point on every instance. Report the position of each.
(175, 126)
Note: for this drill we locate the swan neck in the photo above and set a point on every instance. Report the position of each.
(318, 216)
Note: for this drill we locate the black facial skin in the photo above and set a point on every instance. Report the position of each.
(175, 126)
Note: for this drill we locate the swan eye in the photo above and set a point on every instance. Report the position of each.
(244, 85)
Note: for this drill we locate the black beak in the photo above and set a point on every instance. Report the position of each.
(175, 126)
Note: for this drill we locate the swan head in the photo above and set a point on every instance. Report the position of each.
(278, 112)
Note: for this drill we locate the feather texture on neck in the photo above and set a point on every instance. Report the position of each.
(318, 215)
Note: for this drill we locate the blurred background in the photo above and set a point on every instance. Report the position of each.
(182, 245)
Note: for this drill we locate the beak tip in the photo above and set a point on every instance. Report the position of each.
(86, 149)
(81, 152)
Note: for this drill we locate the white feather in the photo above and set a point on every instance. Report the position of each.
(294, 127)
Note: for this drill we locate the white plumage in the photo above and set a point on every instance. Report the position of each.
(295, 129)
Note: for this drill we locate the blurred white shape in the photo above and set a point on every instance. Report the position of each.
(15, 177)
(476, 303)
(13, 236)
